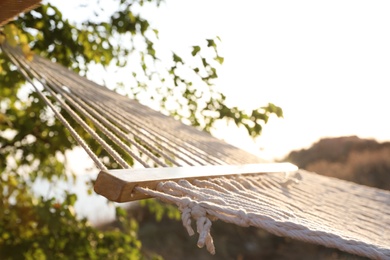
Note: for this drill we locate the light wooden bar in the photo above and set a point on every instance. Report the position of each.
(118, 185)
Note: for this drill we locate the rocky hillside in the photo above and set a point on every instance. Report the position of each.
(363, 161)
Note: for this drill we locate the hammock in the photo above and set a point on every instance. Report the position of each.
(207, 178)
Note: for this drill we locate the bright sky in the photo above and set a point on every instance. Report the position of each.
(326, 63)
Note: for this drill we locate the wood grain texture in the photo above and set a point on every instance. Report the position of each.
(11, 8)
(118, 185)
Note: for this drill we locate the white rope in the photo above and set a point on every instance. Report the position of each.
(75, 135)
(311, 208)
(143, 120)
(98, 119)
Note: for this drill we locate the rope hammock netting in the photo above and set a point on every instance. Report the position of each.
(207, 178)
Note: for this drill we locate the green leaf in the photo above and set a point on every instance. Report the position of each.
(220, 59)
(176, 58)
(211, 43)
(195, 50)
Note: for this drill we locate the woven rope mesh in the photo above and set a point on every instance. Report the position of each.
(129, 125)
(303, 205)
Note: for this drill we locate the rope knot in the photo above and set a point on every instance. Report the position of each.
(190, 209)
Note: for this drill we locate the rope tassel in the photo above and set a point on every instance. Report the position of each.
(191, 211)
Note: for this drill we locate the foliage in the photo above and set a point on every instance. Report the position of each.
(36, 228)
(160, 211)
(33, 144)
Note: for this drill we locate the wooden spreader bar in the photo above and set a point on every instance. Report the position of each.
(118, 185)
